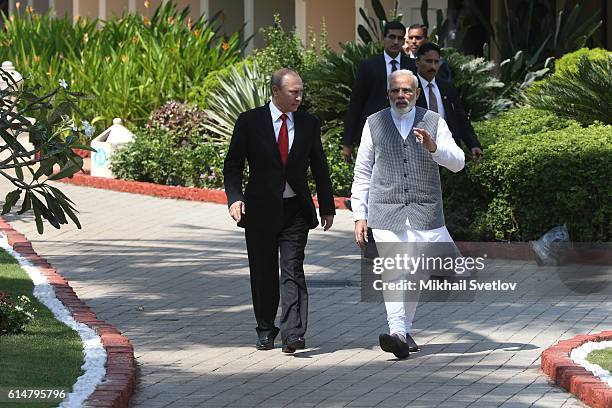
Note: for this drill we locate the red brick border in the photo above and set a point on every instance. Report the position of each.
(558, 365)
(119, 383)
(158, 190)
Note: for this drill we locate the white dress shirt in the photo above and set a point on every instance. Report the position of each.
(436, 90)
(388, 60)
(277, 122)
(447, 154)
(425, 90)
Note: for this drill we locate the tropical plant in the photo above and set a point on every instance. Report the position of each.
(535, 29)
(53, 135)
(328, 84)
(480, 91)
(373, 29)
(240, 91)
(199, 93)
(131, 64)
(583, 94)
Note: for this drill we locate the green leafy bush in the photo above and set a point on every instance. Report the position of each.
(285, 50)
(518, 122)
(479, 90)
(171, 157)
(15, 313)
(527, 185)
(130, 64)
(583, 94)
(569, 62)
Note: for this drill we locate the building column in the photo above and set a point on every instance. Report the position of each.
(204, 8)
(300, 20)
(52, 7)
(102, 9)
(132, 6)
(249, 23)
(75, 9)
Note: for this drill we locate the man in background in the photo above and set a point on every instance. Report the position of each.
(440, 96)
(369, 93)
(416, 35)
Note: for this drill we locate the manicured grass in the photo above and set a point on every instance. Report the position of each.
(48, 355)
(602, 358)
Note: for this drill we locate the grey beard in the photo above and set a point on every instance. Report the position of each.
(403, 111)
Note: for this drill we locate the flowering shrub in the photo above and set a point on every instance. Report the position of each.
(15, 313)
(49, 142)
(171, 157)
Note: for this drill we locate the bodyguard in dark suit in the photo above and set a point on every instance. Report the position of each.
(440, 96)
(416, 35)
(369, 93)
(276, 209)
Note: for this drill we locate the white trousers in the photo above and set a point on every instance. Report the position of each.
(401, 314)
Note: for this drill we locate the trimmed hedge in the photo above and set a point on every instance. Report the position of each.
(529, 183)
(518, 122)
(169, 157)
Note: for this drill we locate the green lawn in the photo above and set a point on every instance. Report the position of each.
(602, 358)
(48, 355)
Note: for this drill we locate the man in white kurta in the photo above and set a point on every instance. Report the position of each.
(396, 187)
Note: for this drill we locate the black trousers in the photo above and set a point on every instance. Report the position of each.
(263, 247)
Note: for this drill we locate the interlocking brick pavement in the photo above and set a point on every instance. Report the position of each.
(172, 275)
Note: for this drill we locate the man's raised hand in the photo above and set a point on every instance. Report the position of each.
(423, 136)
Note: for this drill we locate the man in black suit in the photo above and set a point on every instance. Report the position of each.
(440, 96)
(369, 93)
(416, 35)
(276, 210)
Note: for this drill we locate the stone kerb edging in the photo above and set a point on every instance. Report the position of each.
(564, 372)
(120, 380)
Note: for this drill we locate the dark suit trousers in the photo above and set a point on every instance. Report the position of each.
(263, 247)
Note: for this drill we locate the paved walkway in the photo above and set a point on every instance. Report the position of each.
(172, 275)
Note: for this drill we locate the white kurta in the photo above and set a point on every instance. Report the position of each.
(401, 314)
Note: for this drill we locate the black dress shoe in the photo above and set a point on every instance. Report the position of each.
(394, 344)
(293, 343)
(412, 346)
(265, 341)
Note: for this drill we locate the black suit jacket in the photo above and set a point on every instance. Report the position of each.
(369, 95)
(254, 140)
(457, 120)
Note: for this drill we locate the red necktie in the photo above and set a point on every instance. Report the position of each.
(283, 140)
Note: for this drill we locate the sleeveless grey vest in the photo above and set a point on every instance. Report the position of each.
(405, 183)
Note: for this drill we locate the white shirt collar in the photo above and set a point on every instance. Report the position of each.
(388, 58)
(276, 113)
(425, 82)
